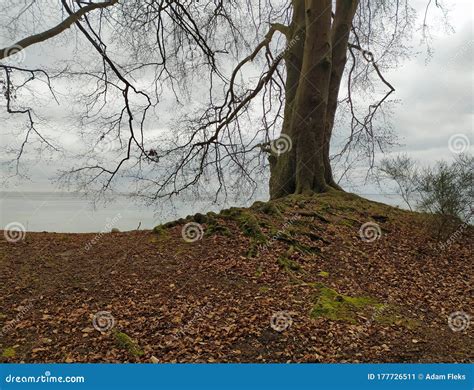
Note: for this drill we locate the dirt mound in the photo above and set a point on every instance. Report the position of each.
(329, 278)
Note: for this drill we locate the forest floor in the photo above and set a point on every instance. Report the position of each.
(293, 280)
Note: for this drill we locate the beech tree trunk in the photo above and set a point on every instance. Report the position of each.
(315, 62)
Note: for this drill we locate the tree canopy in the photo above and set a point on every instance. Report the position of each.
(257, 88)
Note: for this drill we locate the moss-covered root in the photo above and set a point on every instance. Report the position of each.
(124, 341)
(268, 208)
(334, 306)
(250, 227)
(8, 353)
(248, 223)
(215, 228)
(288, 264)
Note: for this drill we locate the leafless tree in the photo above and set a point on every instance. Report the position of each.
(404, 172)
(313, 59)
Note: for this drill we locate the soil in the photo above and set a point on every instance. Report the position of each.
(249, 289)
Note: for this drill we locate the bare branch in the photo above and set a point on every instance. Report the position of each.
(45, 35)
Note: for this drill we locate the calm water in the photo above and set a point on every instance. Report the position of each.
(65, 212)
(71, 213)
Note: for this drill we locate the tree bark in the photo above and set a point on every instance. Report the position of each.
(315, 66)
(345, 11)
(311, 100)
(283, 178)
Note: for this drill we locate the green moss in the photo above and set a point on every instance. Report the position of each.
(296, 244)
(160, 230)
(265, 224)
(281, 205)
(390, 316)
(346, 222)
(124, 341)
(324, 274)
(334, 306)
(200, 218)
(231, 213)
(250, 227)
(258, 205)
(305, 231)
(254, 248)
(268, 208)
(288, 264)
(263, 289)
(247, 222)
(305, 249)
(170, 224)
(213, 227)
(9, 352)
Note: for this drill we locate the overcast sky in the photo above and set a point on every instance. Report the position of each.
(436, 97)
